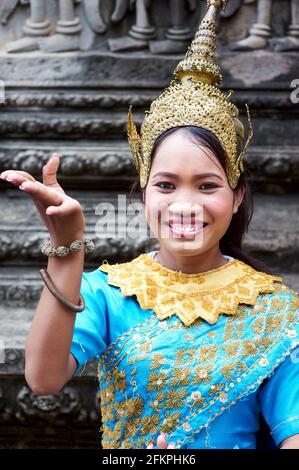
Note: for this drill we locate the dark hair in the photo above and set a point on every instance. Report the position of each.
(231, 243)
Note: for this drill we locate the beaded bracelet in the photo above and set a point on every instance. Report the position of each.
(77, 245)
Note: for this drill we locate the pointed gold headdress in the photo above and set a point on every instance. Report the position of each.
(193, 98)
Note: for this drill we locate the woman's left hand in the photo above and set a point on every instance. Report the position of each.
(162, 443)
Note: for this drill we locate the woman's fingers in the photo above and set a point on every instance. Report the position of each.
(67, 207)
(171, 446)
(161, 441)
(38, 190)
(50, 172)
(27, 183)
(50, 169)
(16, 176)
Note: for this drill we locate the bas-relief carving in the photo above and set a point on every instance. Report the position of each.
(142, 32)
(260, 33)
(38, 29)
(63, 34)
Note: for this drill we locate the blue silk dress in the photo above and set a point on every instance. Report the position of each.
(145, 390)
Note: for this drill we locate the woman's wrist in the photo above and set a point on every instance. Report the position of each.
(65, 239)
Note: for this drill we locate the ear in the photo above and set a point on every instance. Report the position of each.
(238, 198)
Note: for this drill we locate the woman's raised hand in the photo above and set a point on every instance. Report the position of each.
(62, 215)
(162, 443)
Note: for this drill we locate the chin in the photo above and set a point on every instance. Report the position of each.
(185, 248)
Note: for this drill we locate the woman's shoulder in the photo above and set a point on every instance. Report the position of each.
(283, 288)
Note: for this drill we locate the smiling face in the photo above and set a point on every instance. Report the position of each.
(188, 202)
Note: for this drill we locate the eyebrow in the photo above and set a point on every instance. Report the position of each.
(195, 177)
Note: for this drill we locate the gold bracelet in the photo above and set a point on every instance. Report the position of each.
(47, 280)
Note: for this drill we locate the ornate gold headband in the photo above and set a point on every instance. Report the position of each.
(193, 98)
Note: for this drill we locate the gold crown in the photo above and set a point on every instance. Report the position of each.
(193, 98)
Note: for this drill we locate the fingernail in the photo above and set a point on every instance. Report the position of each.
(24, 186)
(162, 434)
(10, 179)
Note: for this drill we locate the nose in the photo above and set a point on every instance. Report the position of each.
(185, 209)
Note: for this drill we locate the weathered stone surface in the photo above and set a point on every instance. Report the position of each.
(143, 70)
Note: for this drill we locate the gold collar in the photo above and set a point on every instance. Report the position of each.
(190, 296)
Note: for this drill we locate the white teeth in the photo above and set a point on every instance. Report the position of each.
(185, 228)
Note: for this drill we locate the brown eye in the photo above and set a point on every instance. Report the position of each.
(209, 186)
(164, 185)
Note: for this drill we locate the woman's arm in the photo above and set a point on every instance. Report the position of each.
(48, 361)
(291, 442)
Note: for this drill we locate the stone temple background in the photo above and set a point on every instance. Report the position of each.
(69, 71)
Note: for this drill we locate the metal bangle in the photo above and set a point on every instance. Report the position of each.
(48, 281)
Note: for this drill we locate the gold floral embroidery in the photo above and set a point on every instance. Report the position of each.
(146, 347)
(228, 369)
(157, 381)
(127, 444)
(134, 359)
(203, 374)
(119, 379)
(133, 407)
(215, 388)
(229, 332)
(263, 342)
(107, 395)
(158, 360)
(149, 424)
(108, 413)
(131, 427)
(195, 399)
(249, 348)
(189, 337)
(278, 304)
(180, 377)
(258, 325)
(175, 398)
(212, 334)
(273, 323)
(120, 409)
(240, 366)
(208, 353)
(157, 403)
(184, 356)
(169, 422)
(231, 348)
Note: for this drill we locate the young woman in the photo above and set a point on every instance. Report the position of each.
(196, 338)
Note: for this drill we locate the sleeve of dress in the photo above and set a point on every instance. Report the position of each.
(279, 399)
(90, 330)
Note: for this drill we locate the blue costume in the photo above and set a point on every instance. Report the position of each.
(200, 363)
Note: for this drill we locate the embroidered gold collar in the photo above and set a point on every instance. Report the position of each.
(190, 296)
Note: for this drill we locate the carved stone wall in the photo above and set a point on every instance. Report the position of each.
(70, 70)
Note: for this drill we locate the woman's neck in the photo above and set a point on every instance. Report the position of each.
(191, 264)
